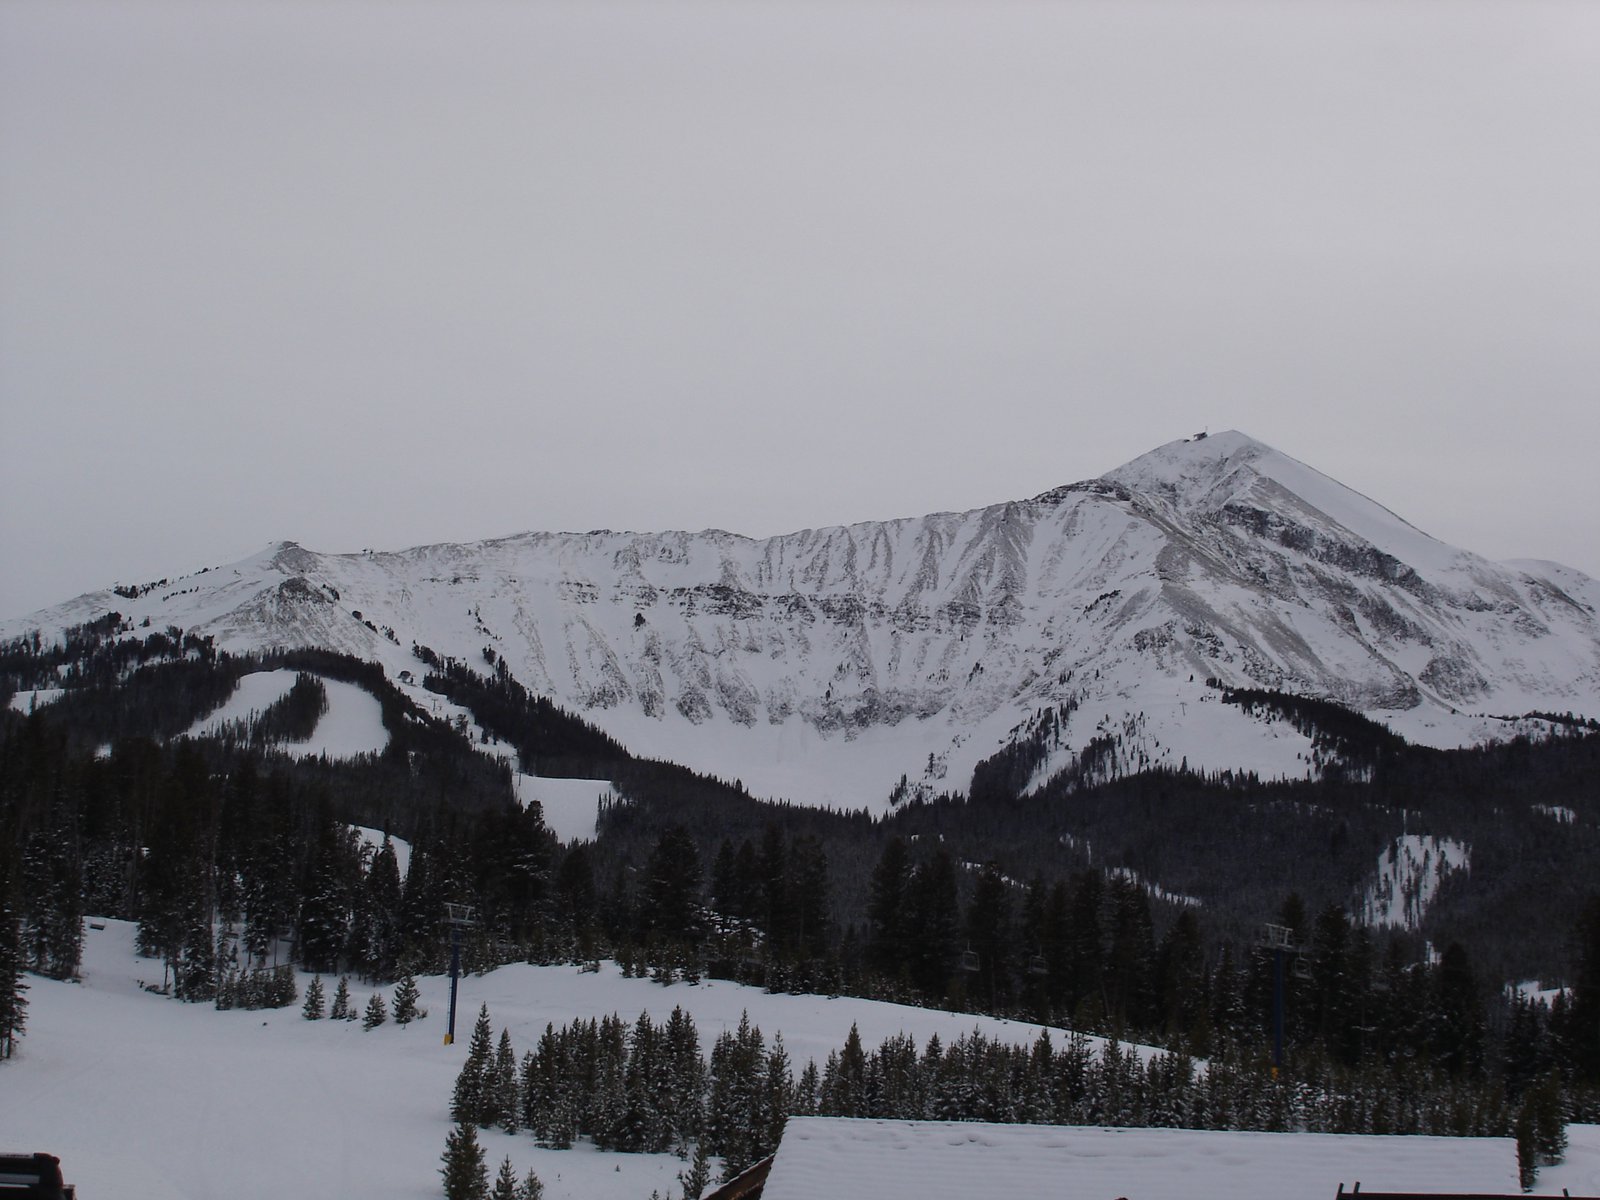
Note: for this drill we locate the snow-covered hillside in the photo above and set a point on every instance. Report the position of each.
(144, 1097)
(824, 665)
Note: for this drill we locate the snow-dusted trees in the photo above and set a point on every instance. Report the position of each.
(375, 930)
(504, 1085)
(312, 1009)
(1585, 1021)
(475, 1100)
(53, 886)
(13, 1003)
(505, 1183)
(324, 920)
(673, 908)
(640, 1088)
(405, 1001)
(465, 1175)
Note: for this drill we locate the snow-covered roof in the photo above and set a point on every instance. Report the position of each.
(928, 1160)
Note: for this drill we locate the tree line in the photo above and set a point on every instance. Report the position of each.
(646, 1087)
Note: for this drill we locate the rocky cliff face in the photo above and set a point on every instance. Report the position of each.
(824, 665)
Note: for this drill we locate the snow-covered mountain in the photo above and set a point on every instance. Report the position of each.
(824, 665)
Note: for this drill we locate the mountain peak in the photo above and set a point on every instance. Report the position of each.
(1190, 466)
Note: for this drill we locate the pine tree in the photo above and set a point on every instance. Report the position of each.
(468, 1103)
(341, 1000)
(532, 1188)
(694, 1180)
(13, 1005)
(508, 1100)
(505, 1183)
(465, 1175)
(376, 1013)
(405, 1000)
(312, 1011)
(380, 920)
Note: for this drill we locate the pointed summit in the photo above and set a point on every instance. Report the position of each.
(1233, 476)
(1190, 468)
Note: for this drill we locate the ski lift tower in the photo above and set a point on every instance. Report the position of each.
(1280, 940)
(458, 917)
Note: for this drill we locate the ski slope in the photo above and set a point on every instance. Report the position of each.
(145, 1098)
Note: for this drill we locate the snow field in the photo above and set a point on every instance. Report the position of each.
(914, 1160)
(27, 701)
(372, 840)
(144, 1097)
(571, 806)
(353, 724)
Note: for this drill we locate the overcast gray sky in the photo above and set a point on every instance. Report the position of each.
(391, 273)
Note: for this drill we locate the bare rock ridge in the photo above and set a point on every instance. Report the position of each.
(824, 665)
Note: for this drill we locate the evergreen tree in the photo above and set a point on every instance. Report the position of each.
(323, 926)
(52, 887)
(1181, 976)
(532, 1188)
(312, 1010)
(197, 975)
(1085, 994)
(465, 1175)
(1585, 1014)
(808, 898)
(379, 924)
(694, 1180)
(933, 919)
(13, 1004)
(886, 944)
(772, 865)
(505, 1183)
(989, 934)
(672, 887)
(508, 1101)
(341, 1000)
(376, 1013)
(471, 1100)
(1130, 968)
(405, 1000)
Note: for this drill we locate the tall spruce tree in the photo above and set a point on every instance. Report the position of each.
(405, 1000)
(508, 1099)
(471, 1100)
(13, 1003)
(341, 999)
(886, 905)
(312, 1009)
(465, 1175)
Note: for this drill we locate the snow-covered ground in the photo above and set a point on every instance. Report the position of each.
(143, 1097)
(353, 724)
(932, 1160)
(1578, 1173)
(571, 806)
(32, 698)
(372, 840)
